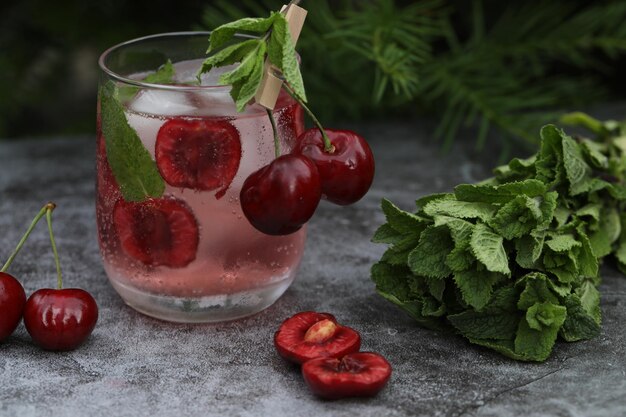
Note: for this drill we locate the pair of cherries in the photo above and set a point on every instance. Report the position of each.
(281, 197)
(56, 319)
(332, 365)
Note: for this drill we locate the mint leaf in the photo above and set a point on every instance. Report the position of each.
(590, 300)
(546, 314)
(504, 347)
(282, 54)
(475, 325)
(536, 344)
(536, 290)
(256, 49)
(588, 262)
(517, 217)
(230, 55)
(516, 170)
(488, 249)
(398, 254)
(422, 201)
(400, 220)
(436, 287)
(578, 172)
(386, 234)
(499, 194)
(460, 259)
(476, 286)
(222, 34)
(549, 165)
(498, 320)
(163, 75)
(591, 210)
(134, 169)
(561, 257)
(247, 78)
(428, 258)
(594, 152)
(529, 249)
(578, 324)
(460, 209)
(394, 284)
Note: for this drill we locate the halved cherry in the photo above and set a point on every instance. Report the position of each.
(282, 196)
(309, 335)
(361, 374)
(202, 154)
(157, 231)
(347, 172)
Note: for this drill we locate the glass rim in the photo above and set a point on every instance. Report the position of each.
(143, 84)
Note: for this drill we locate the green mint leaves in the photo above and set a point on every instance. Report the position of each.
(163, 75)
(273, 42)
(133, 167)
(512, 263)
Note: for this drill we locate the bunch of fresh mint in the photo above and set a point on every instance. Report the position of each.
(512, 262)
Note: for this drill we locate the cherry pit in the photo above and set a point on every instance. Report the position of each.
(58, 319)
(332, 365)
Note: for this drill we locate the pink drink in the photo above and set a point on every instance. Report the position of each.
(236, 270)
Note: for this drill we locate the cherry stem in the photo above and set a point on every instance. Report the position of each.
(54, 249)
(328, 146)
(42, 212)
(275, 131)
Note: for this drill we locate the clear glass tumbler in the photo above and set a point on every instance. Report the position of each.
(172, 156)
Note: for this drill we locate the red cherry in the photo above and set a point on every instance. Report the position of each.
(309, 335)
(157, 231)
(12, 300)
(60, 319)
(361, 374)
(199, 154)
(280, 197)
(347, 172)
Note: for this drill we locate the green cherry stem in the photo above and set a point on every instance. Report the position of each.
(328, 146)
(42, 212)
(275, 131)
(54, 247)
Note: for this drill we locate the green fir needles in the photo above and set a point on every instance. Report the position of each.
(512, 263)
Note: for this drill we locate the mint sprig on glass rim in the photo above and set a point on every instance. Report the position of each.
(273, 41)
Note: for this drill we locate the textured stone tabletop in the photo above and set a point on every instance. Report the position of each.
(137, 366)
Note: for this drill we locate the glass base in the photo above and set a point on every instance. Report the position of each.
(208, 309)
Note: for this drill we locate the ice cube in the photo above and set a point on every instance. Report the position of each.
(163, 103)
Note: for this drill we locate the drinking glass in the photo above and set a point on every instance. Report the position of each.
(187, 254)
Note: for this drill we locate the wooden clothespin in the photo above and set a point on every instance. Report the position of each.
(267, 94)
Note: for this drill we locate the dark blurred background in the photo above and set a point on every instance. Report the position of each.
(501, 66)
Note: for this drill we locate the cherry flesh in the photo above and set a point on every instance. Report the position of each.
(282, 196)
(361, 374)
(157, 232)
(309, 335)
(199, 154)
(347, 171)
(60, 319)
(12, 301)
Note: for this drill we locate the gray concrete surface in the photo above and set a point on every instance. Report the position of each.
(137, 366)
